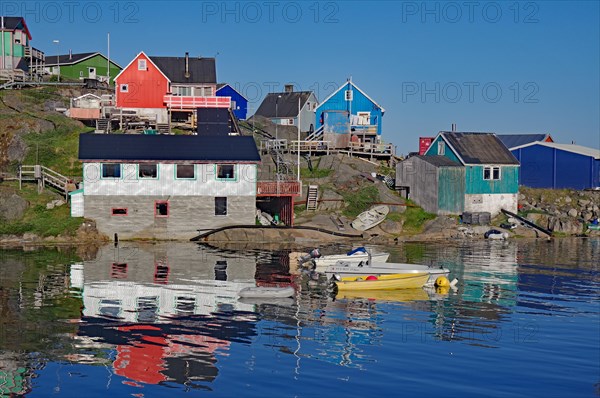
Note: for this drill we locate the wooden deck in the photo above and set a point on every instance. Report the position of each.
(278, 188)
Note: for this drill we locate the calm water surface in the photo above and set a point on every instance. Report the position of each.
(165, 320)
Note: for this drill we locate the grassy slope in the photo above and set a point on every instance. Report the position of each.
(57, 149)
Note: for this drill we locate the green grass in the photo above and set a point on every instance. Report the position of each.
(37, 219)
(57, 149)
(394, 216)
(359, 201)
(315, 173)
(414, 219)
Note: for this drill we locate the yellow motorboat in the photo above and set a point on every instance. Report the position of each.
(398, 295)
(383, 282)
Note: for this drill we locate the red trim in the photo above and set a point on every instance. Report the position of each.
(168, 208)
(112, 211)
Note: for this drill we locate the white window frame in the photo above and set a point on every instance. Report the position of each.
(491, 170)
(441, 149)
(142, 64)
(124, 88)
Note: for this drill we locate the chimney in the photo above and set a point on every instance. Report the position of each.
(70, 54)
(187, 65)
(454, 127)
(289, 88)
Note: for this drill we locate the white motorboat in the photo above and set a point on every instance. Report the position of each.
(347, 269)
(267, 292)
(355, 256)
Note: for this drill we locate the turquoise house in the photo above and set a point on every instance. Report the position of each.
(466, 172)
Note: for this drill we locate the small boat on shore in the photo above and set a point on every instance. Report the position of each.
(370, 218)
(383, 282)
(349, 270)
(266, 292)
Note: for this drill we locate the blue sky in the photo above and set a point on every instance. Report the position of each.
(504, 67)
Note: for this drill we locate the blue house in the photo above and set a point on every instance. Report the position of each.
(514, 140)
(477, 174)
(363, 114)
(239, 103)
(553, 165)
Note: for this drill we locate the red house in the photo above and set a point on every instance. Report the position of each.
(168, 87)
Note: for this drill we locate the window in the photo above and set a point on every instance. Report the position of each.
(119, 211)
(491, 173)
(185, 171)
(161, 208)
(111, 170)
(124, 88)
(148, 171)
(441, 148)
(182, 91)
(290, 122)
(141, 64)
(225, 172)
(80, 73)
(348, 94)
(220, 206)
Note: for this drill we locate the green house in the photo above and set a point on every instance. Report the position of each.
(82, 66)
(462, 172)
(17, 57)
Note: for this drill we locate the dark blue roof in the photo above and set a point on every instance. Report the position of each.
(514, 140)
(133, 147)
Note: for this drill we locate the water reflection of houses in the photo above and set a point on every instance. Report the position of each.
(160, 305)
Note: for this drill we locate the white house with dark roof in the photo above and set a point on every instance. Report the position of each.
(167, 186)
(290, 108)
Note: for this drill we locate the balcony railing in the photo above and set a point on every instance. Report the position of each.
(375, 149)
(278, 188)
(185, 102)
(34, 53)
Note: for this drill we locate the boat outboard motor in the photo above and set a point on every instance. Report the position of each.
(314, 253)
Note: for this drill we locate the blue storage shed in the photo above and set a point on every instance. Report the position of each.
(239, 103)
(365, 114)
(553, 165)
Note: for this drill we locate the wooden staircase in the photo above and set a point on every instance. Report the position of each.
(45, 176)
(103, 126)
(312, 198)
(163, 128)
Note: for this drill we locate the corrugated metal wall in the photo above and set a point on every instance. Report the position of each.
(421, 177)
(451, 190)
(508, 182)
(544, 167)
(205, 184)
(433, 150)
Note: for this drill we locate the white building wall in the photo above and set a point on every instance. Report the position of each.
(492, 203)
(77, 204)
(205, 183)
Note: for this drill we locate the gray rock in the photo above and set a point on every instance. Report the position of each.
(587, 216)
(583, 202)
(573, 213)
(568, 199)
(12, 207)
